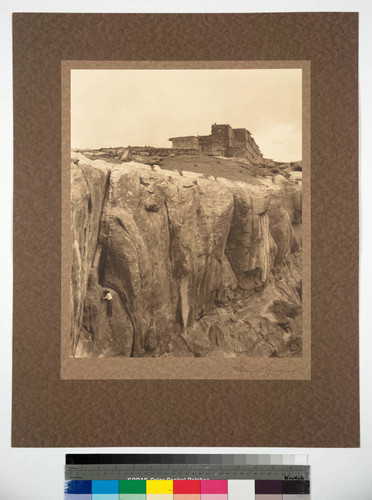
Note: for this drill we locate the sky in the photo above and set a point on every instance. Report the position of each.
(121, 107)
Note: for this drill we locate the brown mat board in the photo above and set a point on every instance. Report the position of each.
(49, 411)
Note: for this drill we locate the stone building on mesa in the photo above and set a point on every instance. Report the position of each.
(187, 142)
(223, 141)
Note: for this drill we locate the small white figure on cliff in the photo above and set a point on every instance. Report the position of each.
(108, 298)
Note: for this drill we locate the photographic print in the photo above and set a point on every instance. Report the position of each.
(185, 228)
(186, 211)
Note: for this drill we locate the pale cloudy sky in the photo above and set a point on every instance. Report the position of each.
(121, 107)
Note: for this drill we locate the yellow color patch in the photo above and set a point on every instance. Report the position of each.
(160, 487)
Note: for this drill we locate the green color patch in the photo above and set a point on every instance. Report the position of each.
(132, 487)
(132, 496)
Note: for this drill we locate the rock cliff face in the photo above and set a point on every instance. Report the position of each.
(196, 266)
(88, 189)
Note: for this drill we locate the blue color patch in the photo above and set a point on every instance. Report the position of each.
(105, 487)
(78, 487)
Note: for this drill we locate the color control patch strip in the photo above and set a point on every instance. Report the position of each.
(220, 489)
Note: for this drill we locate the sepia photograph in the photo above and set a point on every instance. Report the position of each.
(186, 213)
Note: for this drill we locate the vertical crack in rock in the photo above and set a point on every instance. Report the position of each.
(184, 290)
(169, 232)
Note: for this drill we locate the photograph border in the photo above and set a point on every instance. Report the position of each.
(296, 368)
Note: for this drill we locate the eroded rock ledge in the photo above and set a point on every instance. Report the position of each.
(197, 266)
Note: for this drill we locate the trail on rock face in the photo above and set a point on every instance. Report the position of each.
(196, 265)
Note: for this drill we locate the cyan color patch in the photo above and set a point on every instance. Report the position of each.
(105, 488)
(104, 496)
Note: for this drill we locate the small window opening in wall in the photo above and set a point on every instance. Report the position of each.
(90, 205)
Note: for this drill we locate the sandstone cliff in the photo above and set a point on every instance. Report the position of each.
(196, 265)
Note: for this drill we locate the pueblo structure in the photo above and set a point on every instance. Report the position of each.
(222, 141)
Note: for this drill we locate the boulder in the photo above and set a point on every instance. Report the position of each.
(126, 155)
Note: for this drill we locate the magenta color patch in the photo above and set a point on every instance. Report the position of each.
(214, 487)
(213, 496)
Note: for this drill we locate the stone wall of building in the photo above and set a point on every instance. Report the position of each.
(205, 144)
(188, 142)
(222, 135)
(244, 145)
(223, 141)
